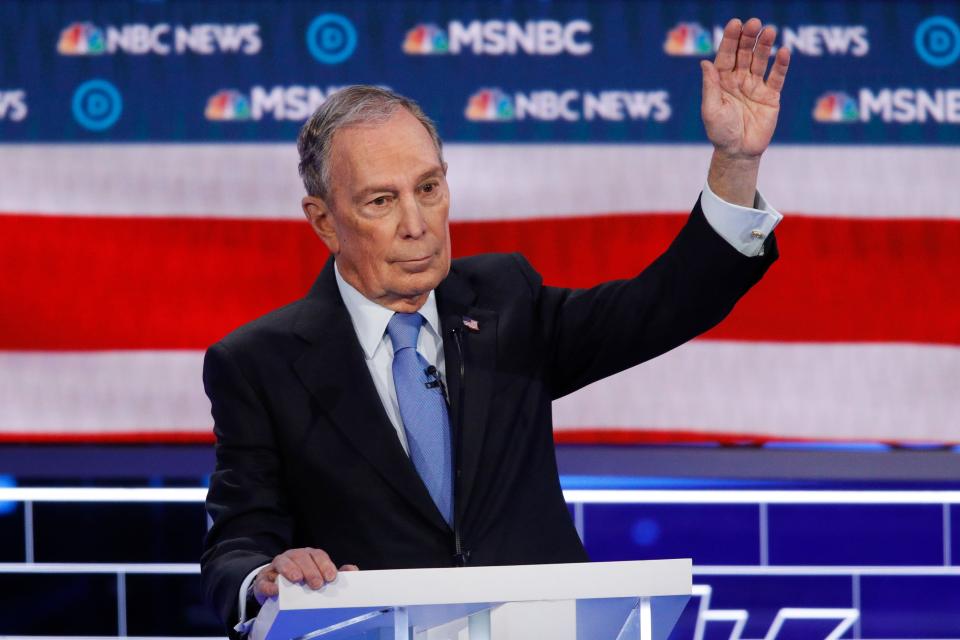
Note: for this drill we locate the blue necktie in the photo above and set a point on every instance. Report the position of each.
(423, 410)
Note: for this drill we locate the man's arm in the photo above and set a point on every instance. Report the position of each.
(249, 542)
(250, 522)
(596, 332)
(589, 334)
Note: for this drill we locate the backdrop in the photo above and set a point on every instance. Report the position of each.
(149, 201)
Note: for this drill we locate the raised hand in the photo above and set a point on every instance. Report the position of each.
(739, 107)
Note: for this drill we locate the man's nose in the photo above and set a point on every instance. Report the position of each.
(412, 223)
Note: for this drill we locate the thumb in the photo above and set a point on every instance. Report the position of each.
(711, 85)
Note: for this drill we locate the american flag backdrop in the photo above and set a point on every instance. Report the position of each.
(124, 254)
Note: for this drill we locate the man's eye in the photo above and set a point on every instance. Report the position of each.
(379, 202)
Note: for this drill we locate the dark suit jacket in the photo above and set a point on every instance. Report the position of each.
(306, 455)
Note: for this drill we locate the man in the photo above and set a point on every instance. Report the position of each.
(399, 415)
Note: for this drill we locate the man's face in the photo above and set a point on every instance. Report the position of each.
(385, 217)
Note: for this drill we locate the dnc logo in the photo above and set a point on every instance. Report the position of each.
(227, 105)
(937, 41)
(489, 105)
(836, 106)
(688, 39)
(81, 39)
(331, 38)
(426, 39)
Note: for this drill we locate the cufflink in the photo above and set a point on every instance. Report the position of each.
(756, 233)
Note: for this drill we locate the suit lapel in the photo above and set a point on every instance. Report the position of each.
(470, 394)
(334, 370)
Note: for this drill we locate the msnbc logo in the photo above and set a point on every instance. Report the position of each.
(500, 38)
(688, 39)
(489, 105)
(836, 106)
(227, 105)
(426, 39)
(81, 39)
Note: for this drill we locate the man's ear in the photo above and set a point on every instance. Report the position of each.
(321, 219)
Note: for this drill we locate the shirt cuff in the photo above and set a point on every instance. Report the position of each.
(244, 625)
(745, 228)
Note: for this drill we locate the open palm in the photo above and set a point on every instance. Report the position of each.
(740, 107)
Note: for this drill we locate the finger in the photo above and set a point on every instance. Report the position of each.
(349, 567)
(711, 85)
(761, 55)
(264, 589)
(287, 568)
(312, 575)
(727, 51)
(748, 38)
(324, 564)
(779, 71)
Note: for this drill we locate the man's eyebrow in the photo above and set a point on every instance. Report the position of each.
(433, 171)
(389, 188)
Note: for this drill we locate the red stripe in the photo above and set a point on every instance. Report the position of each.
(126, 437)
(74, 283)
(610, 436)
(598, 436)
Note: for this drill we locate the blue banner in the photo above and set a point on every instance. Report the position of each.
(862, 72)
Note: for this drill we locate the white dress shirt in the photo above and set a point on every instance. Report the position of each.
(744, 228)
(370, 323)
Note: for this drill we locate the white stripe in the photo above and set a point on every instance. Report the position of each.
(807, 570)
(99, 567)
(832, 391)
(577, 497)
(487, 182)
(757, 496)
(698, 570)
(898, 392)
(102, 392)
(102, 494)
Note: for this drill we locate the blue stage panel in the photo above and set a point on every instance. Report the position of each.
(710, 534)
(54, 604)
(762, 597)
(910, 606)
(954, 521)
(12, 542)
(118, 532)
(168, 605)
(856, 534)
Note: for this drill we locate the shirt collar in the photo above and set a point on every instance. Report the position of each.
(370, 319)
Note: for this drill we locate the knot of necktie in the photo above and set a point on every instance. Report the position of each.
(404, 329)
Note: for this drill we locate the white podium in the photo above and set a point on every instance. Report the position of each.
(638, 600)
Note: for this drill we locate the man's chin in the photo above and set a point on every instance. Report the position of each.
(423, 278)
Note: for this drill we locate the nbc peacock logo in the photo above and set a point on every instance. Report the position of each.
(489, 105)
(227, 105)
(426, 39)
(836, 106)
(688, 39)
(81, 39)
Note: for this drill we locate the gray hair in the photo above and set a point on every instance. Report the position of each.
(359, 104)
